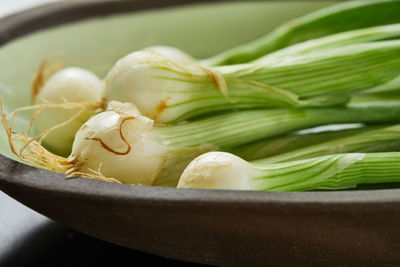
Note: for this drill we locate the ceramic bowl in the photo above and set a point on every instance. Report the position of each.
(219, 227)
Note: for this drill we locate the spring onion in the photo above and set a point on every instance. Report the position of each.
(167, 92)
(221, 170)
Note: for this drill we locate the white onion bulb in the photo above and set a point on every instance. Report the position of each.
(217, 170)
(119, 144)
(138, 78)
(71, 85)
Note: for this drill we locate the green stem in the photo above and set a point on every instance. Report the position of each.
(273, 147)
(365, 35)
(385, 147)
(226, 131)
(339, 70)
(334, 19)
(329, 172)
(357, 142)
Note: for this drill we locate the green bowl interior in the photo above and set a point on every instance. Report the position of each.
(201, 30)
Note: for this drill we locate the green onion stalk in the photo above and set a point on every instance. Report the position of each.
(168, 92)
(374, 140)
(293, 141)
(341, 17)
(384, 147)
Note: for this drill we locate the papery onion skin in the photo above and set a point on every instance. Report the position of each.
(118, 143)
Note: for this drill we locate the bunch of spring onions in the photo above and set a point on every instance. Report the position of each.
(313, 105)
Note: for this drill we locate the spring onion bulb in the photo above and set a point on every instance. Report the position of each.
(341, 17)
(65, 86)
(167, 91)
(118, 143)
(221, 170)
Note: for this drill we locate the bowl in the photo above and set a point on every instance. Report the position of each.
(218, 227)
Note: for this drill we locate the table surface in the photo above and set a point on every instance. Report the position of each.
(30, 239)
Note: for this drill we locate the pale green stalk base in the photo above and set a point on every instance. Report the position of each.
(329, 172)
(385, 147)
(291, 142)
(227, 131)
(378, 138)
(341, 70)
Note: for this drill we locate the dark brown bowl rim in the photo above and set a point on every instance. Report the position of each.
(26, 177)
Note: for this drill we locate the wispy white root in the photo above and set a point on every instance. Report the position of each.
(30, 150)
